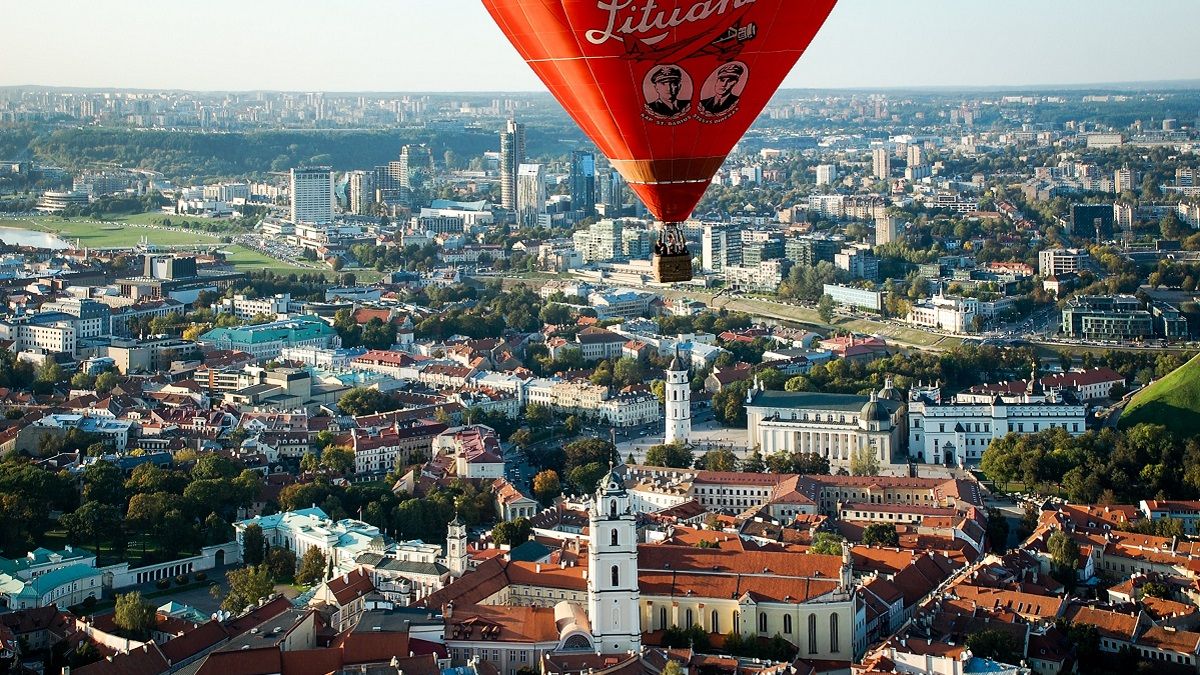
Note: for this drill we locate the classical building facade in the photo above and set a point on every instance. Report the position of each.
(956, 433)
(835, 426)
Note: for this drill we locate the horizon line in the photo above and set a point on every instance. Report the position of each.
(1176, 84)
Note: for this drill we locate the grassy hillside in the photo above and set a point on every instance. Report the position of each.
(1173, 401)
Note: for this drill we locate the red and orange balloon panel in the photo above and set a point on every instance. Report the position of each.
(665, 88)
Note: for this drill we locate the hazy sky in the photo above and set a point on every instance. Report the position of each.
(452, 45)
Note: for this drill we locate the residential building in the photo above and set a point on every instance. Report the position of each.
(720, 247)
(859, 261)
(245, 308)
(826, 174)
(360, 188)
(766, 276)
(1107, 317)
(1059, 261)
(380, 450)
(887, 230)
(531, 194)
(881, 163)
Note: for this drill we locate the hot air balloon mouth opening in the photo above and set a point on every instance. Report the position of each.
(672, 259)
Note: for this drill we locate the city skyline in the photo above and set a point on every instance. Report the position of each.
(866, 44)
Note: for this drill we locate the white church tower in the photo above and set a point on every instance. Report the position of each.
(456, 548)
(612, 570)
(678, 394)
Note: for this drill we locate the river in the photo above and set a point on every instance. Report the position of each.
(17, 237)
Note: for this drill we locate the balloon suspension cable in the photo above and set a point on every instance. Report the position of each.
(670, 240)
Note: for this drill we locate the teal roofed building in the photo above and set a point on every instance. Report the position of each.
(64, 587)
(266, 341)
(41, 560)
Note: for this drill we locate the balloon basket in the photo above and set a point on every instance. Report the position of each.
(672, 268)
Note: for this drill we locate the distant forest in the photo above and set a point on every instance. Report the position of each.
(197, 156)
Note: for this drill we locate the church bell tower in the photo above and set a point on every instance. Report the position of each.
(612, 570)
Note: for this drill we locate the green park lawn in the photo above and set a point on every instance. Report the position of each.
(1173, 401)
(97, 234)
(248, 260)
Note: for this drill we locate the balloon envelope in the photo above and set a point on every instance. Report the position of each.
(665, 88)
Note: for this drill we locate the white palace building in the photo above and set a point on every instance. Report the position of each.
(956, 433)
(922, 429)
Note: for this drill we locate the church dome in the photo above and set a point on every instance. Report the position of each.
(874, 411)
(890, 393)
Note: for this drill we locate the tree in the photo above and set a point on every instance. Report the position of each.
(997, 530)
(246, 587)
(881, 534)
(338, 460)
(673, 455)
(254, 545)
(628, 371)
(103, 482)
(994, 644)
(546, 486)
(588, 451)
(729, 404)
(312, 566)
(212, 466)
(863, 462)
(512, 533)
(82, 380)
(754, 463)
(572, 425)
(134, 617)
(107, 381)
(825, 308)
(309, 463)
(49, 372)
(281, 564)
(826, 543)
(1156, 589)
(587, 477)
(1064, 556)
(537, 416)
(365, 401)
(94, 522)
(720, 459)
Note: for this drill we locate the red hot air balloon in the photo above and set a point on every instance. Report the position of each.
(664, 88)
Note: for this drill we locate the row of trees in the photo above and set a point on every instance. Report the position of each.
(1104, 466)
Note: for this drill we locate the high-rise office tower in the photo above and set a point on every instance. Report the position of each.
(720, 247)
(612, 193)
(881, 163)
(583, 183)
(361, 190)
(312, 195)
(531, 194)
(512, 156)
